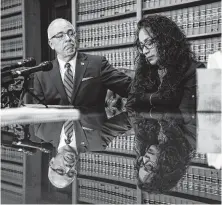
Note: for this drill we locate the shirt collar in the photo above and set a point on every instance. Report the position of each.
(72, 62)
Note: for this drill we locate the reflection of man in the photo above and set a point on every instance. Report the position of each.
(76, 78)
(87, 136)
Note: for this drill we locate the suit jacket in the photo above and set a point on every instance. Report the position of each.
(93, 77)
(89, 135)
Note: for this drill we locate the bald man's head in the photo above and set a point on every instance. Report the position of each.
(57, 23)
(58, 180)
(62, 38)
(63, 167)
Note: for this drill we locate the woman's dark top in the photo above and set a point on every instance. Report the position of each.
(175, 91)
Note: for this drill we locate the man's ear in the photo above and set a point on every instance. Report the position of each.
(51, 44)
(52, 160)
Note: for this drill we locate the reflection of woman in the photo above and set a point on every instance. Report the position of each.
(165, 70)
(164, 146)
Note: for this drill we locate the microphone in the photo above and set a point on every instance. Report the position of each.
(24, 63)
(44, 66)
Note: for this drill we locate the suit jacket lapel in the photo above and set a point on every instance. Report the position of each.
(81, 65)
(57, 80)
(81, 139)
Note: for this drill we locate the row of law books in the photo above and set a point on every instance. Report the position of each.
(107, 166)
(110, 33)
(11, 25)
(11, 154)
(105, 193)
(122, 144)
(204, 47)
(150, 4)
(12, 47)
(202, 19)
(88, 10)
(165, 199)
(11, 194)
(12, 173)
(125, 57)
(10, 6)
(201, 181)
(121, 57)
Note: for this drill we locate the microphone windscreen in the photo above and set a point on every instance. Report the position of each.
(29, 62)
(46, 66)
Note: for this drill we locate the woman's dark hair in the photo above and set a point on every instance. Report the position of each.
(172, 45)
(173, 50)
(174, 157)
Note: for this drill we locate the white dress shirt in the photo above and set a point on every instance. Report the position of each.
(63, 137)
(62, 72)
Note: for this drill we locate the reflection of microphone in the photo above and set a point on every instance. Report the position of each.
(24, 63)
(43, 147)
(44, 66)
(9, 139)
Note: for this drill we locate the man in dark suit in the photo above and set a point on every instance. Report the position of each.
(91, 75)
(80, 80)
(89, 136)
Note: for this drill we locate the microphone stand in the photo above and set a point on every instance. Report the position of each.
(12, 99)
(25, 89)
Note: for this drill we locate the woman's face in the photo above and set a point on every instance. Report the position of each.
(148, 163)
(147, 47)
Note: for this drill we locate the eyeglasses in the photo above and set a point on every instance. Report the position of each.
(61, 36)
(148, 45)
(61, 171)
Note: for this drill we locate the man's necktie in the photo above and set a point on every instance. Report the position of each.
(68, 83)
(68, 128)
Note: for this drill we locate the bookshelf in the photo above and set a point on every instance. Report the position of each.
(101, 31)
(20, 173)
(200, 20)
(156, 6)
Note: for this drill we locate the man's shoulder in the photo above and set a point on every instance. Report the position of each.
(54, 62)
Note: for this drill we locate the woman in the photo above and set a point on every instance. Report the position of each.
(164, 145)
(165, 66)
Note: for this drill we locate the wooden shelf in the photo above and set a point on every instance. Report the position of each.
(204, 35)
(120, 151)
(89, 201)
(194, 197)
(107, 18)
(106, 47)
(11, 14)
(11, 58)
(14, 161)
(177, 6)
(11, 36)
